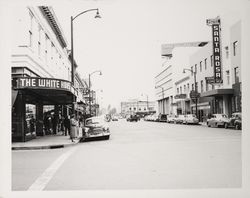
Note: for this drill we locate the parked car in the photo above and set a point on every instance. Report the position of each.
(162, 118)
(190, 119)
(179, 119)
(114, 118)
(132, 118)
(217, 120)
(96, 127)
(234, 121)
(171, 118)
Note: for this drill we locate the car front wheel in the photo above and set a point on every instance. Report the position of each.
(226, 125)
(237, 127)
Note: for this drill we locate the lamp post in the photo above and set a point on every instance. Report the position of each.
(162, 90)
(100, 73)
(195, 89)
(72, 47)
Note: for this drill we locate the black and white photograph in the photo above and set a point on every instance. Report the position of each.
(122, 98)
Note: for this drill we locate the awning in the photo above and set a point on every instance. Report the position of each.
(217, 92)
(48, 90)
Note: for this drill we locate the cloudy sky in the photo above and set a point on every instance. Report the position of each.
(125, 44)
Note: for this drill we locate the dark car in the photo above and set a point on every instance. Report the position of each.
(96, 127)
(162, 118)
(133, 118)
(234, 121)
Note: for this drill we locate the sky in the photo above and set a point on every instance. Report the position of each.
(125, 44)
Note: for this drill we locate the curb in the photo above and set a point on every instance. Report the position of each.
(56, 146)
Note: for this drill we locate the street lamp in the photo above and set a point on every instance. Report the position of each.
(100, 73)
(195, 88)
(72, 45)
(162, 89)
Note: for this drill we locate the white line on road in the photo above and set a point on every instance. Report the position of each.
(47, 175)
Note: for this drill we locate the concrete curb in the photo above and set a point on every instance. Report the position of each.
(54, 146)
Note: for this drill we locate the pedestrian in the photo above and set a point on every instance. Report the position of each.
(66, 123)
(54, 124)
(73, 127)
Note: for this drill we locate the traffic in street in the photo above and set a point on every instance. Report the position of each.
(138, 155)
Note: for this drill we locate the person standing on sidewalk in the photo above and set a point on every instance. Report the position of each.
(73, 125)
(66, 123)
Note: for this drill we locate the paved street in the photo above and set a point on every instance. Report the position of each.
(139, 155)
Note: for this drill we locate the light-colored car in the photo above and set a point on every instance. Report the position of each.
(217, 120)
(96, 127)
(179, 119)
(171, 118)
(190, 119)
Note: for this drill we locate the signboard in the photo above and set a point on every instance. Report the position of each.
(194, 94)
(43, 83)
(210, 80)
(215, 24)
(180, 96)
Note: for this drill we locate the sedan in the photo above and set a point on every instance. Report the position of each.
(190, 119)
(179, 119)
(234, 121)
(96, 127)
(217, 120)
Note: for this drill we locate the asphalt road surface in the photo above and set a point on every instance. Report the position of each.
(139, 155)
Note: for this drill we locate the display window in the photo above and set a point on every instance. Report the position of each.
(30, 119)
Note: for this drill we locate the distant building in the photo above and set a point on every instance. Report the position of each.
(135, 106)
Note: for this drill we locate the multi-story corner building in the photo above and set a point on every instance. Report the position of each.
(224, 97)
(164, 87)
(41, 72)
(135, 106)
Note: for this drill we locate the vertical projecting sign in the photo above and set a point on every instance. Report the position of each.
(215, 24)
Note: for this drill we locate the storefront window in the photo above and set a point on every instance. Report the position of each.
(30, 119)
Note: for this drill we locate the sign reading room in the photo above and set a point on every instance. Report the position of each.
(44, 83)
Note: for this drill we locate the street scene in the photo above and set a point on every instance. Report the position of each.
(138, 155)
(123, 95)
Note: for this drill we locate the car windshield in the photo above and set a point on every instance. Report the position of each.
(94, 121)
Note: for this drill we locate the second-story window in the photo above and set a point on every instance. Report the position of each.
(192, 71)
(193, 87)
(212, 60)
(202, 86)
(205, 63)
(195, 68)
(201, 66)
(177, 90)
(228, 77)
(184, 89)
(39, 39)
(31, 30)
(207, 86)
(236, 74)
(235, 47)
(180, 90)
(188, 87)
(46, 48)
(227, 52)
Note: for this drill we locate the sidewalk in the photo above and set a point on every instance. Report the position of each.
(46, 142)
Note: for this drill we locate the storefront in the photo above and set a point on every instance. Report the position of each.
(35, 101)
(220, 101)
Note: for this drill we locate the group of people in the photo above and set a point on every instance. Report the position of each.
(68, 125)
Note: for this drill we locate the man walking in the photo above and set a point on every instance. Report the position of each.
(66, 123)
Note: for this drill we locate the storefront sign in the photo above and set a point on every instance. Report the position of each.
(194, 94)
(44, 83)
(211, 80)
(215, 23)
(180, 96)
